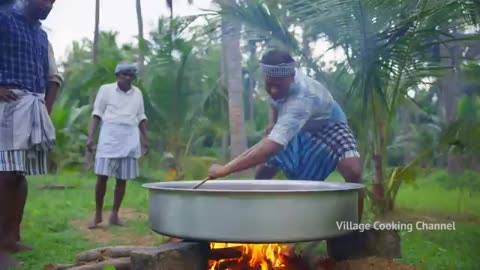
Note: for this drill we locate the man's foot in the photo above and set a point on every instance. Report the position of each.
(8, 262)
(96, 220)
(115, 220)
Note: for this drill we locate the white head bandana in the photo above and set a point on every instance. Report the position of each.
(278, 71)
(126, 67)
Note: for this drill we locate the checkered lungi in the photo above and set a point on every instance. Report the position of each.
(27, 134)
(121, 168)
(314, 155)
(28, 163)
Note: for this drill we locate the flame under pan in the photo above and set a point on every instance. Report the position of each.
(252, 211)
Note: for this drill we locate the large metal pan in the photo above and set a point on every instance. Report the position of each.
(252, 211)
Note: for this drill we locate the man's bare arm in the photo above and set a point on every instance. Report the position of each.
(55, 80)
(143, 133)
(51, 96)
(91, 132)
(262, 152)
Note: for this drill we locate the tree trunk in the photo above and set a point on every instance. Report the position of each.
(451, 87)
(405, 129)
(231, 49)
(141, 41)
(378, 152)
(179, 163)
(378, 189)
(223, 81)
(88, 157)
(96, 34)
(225, 146)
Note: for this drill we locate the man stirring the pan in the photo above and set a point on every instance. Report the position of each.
(308, 136)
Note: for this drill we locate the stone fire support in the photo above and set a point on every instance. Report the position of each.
(380, 243)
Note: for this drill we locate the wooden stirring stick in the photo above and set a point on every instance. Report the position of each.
(233, 160)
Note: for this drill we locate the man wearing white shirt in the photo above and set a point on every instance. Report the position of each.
(119, 107)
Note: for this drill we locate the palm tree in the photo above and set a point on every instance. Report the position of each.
(176, 90)
(96, 31)
(233, 70)
(96, 35)
(170, 5)
(233, 76)
(141, 40)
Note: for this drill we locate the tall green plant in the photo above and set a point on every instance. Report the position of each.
(177, 89)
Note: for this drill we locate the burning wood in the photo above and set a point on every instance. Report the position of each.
(226, 253)
(247, 256)
(227, 264)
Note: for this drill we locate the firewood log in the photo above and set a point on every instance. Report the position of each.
(227, 264)
(241, 265)
(119, 264)
(104, 253)
(226, 253)
(59, 266)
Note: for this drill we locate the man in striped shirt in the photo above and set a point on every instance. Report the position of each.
(28, 87)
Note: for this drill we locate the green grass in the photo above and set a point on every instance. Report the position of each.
(429, 195)
(442, 250)
(49, 213)
(438, 250)
(46, 225)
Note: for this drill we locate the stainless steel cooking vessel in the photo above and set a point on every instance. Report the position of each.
(252, 211)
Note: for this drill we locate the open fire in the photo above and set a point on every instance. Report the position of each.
(247, 256)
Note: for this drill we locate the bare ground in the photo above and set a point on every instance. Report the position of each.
(125, 235)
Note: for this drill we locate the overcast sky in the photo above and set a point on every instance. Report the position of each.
(74, 19)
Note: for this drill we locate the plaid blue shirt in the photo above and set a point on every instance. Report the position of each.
(308, 106)
(23, 52)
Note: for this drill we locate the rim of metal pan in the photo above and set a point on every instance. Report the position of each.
(255, 186)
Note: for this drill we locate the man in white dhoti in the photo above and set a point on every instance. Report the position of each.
(119, 107)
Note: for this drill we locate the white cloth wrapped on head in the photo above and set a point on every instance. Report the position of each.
(122, 67)
(278, 71)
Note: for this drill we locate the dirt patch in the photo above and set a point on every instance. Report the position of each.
(125, 235)
(373, 263)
